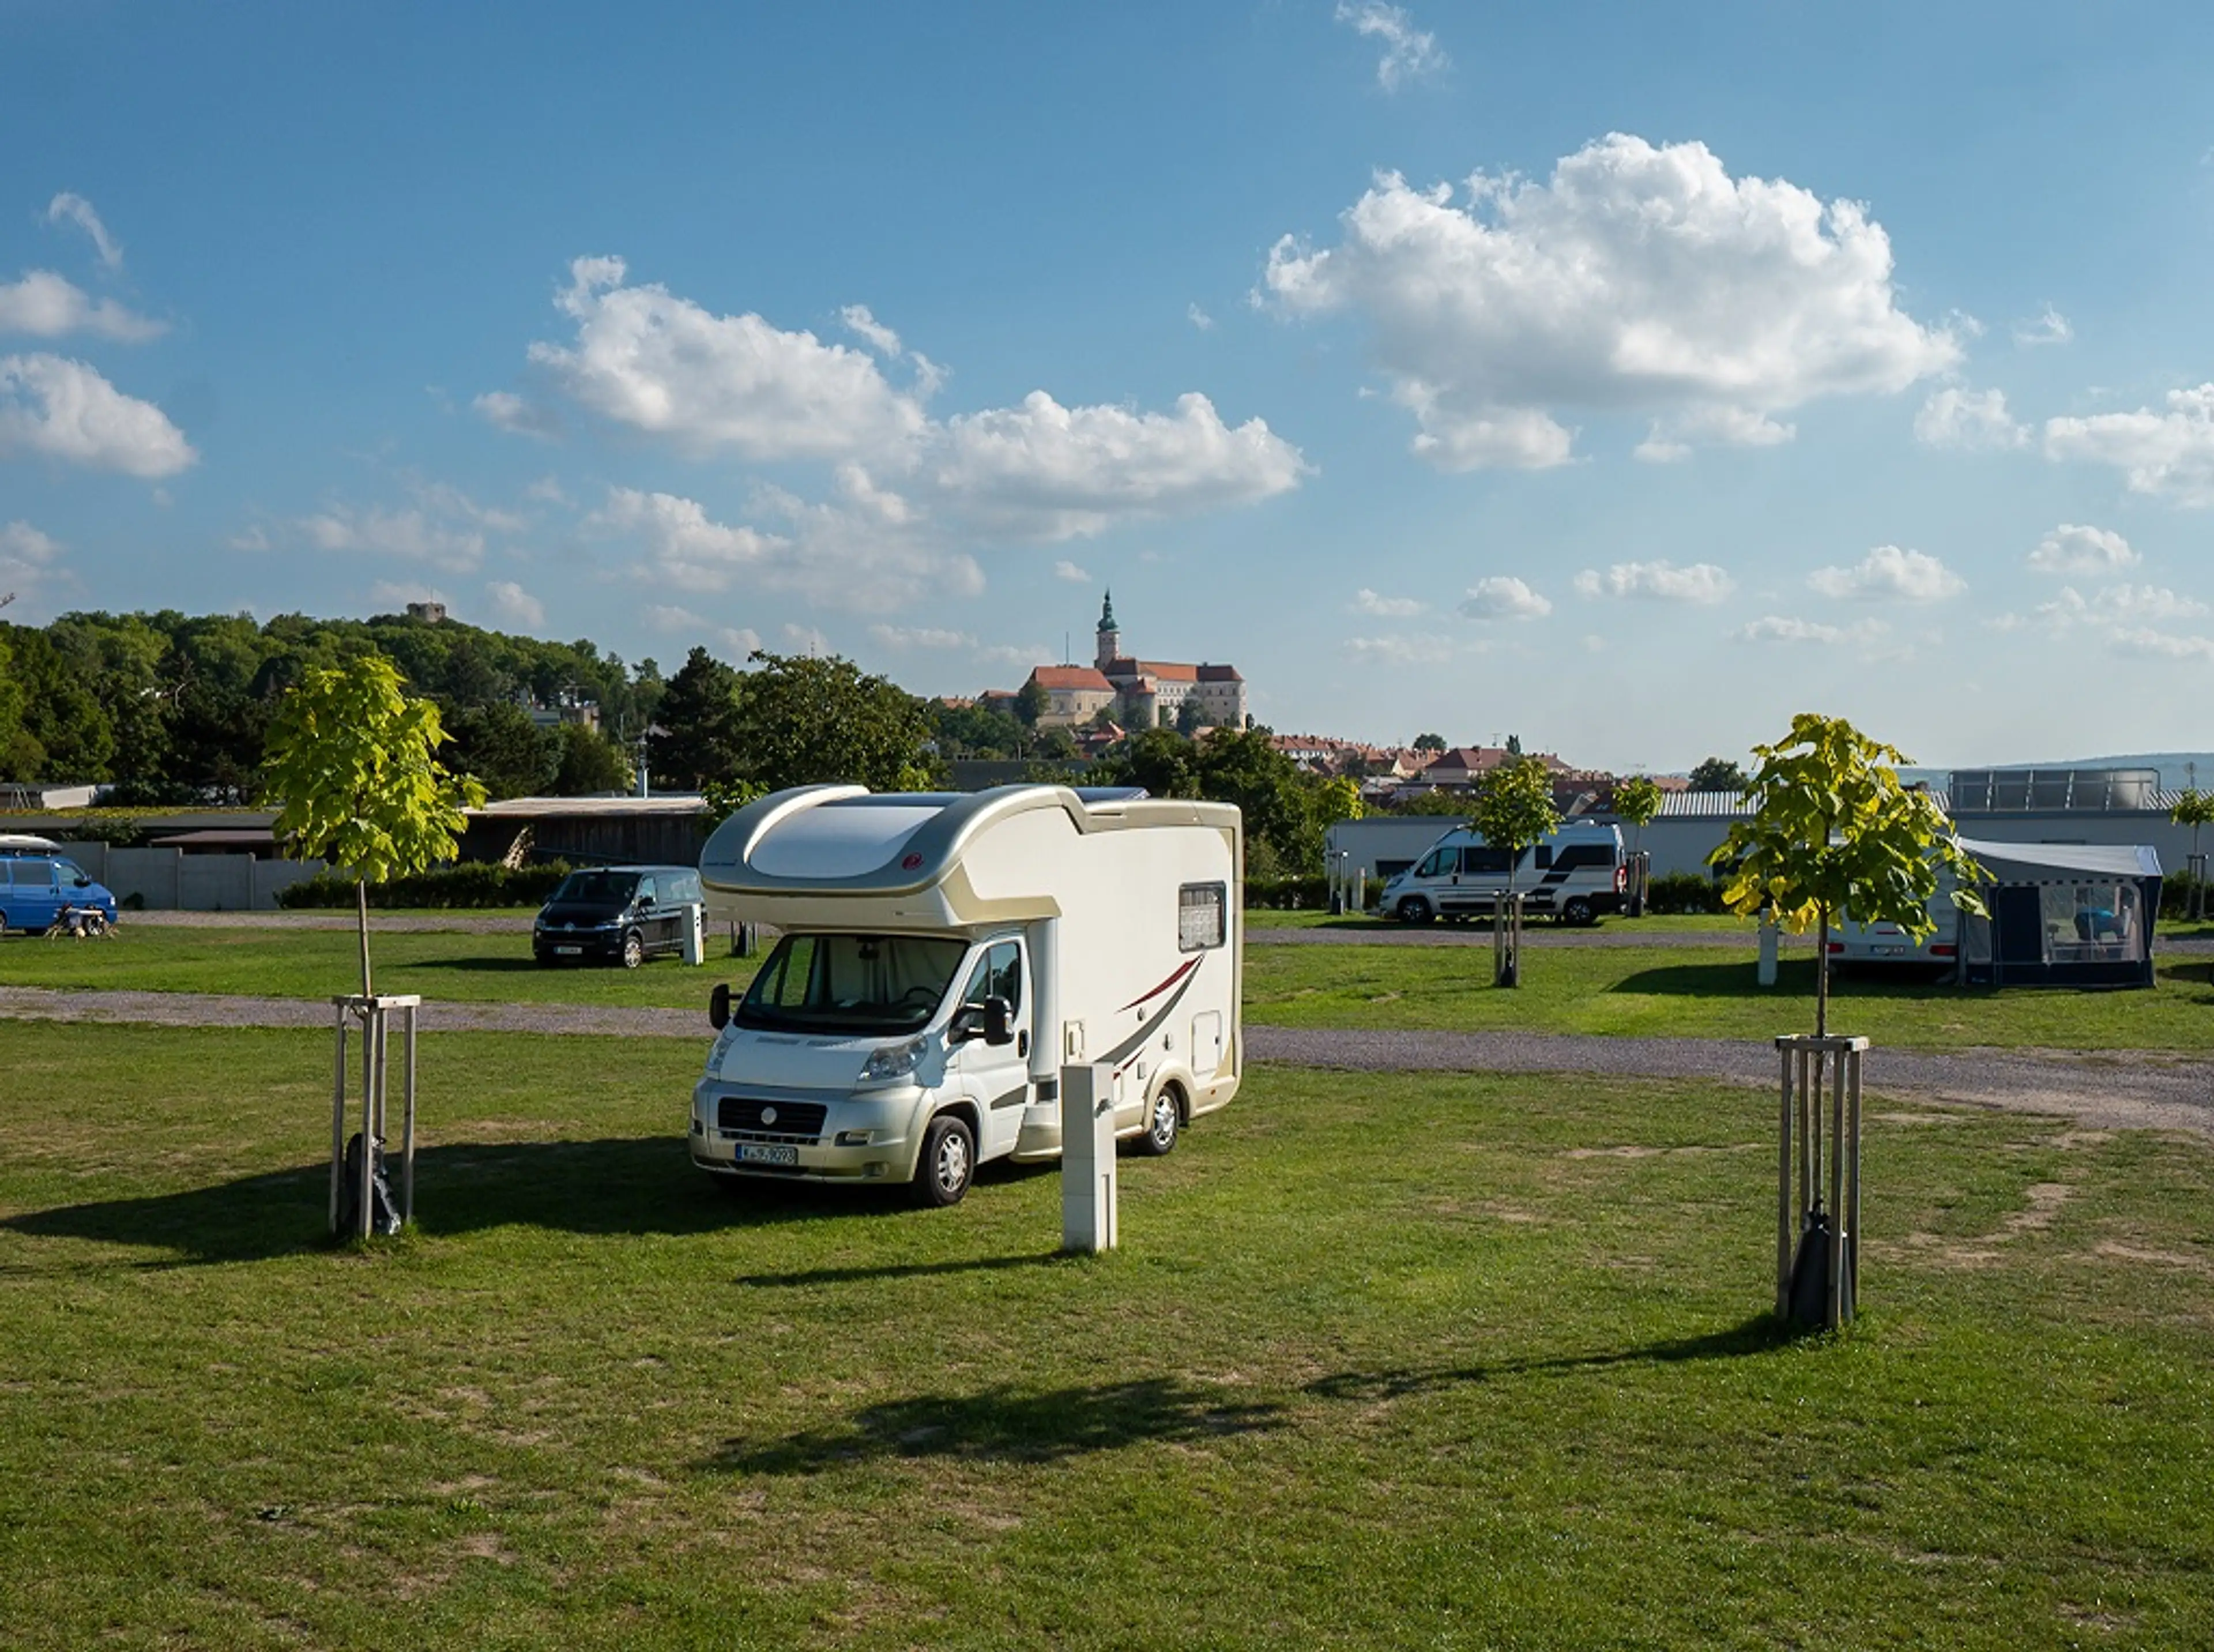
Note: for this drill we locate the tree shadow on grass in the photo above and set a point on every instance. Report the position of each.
(646, 1185)
(1763, 1333)
(1003, 1424)
(1793, 977)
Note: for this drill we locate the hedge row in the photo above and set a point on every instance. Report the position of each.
(1287, 894)
(472, 884)
(1678, 892)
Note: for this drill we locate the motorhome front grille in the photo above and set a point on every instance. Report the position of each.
(771, 1121)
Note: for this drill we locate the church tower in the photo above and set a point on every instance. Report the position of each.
(1110, 634)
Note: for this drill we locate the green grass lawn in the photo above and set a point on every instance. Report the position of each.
(1658, 924)
(1690, 992)
(1694, 993)
(1383, 1361)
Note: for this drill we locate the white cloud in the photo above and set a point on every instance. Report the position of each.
(1890, 574)
(79, 210)
(1066, 570)
(1407, 51)
(738, 642)
(2162, 643)
(1387, 607)
(1637, 278)
(46, 306)
(1974, 419)
(2169, 455)
(504, 410)
(904, 637)
(546, 490)
(60, 408)
(1502, 597)
(1779, 628)
(2049, 327)
(711, 382)
(1663, 582)
(28, 558)
(2069, 548)
(515, 605)
(1673, 438)
(411, 534)
(1418, 648)
(1048, 472)
(682, 545)
(874, 333)
(1040, 471)
(2126, 618)
(389, 594)
(1199, 318)
(1018, 654)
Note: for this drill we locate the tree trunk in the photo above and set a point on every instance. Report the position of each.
(1822, 978)
(361, 905)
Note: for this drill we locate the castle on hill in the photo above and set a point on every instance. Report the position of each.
(1139, 693)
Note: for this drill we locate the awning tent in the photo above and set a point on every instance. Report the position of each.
(2063, 915)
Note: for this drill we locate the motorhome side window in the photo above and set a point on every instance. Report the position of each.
(1437, 863)
(1199, 922)
(999, 974)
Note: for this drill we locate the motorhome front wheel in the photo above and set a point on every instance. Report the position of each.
(947, 1161)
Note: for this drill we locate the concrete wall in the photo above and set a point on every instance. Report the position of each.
(169, 880)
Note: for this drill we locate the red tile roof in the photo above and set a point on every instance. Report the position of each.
(1071, 677)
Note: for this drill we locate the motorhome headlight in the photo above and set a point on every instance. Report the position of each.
(723, 1042)
(894, 1060)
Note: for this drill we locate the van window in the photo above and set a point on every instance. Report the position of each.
(1438, 862)
(1483, 860)
(999, 974)
(646, 890)
(685, 886)
(1200, 917)
(1545, 856)
(851, 983)
(1586, 855)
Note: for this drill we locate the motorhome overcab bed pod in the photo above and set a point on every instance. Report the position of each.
(944, 955)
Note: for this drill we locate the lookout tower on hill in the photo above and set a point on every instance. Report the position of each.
(1111, 635)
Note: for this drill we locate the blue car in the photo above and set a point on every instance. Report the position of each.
(37, 891)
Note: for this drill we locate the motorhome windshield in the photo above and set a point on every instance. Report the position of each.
(851, 983)
(597, 889)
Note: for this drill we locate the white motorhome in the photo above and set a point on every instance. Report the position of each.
(1573, 874)
(944, 955)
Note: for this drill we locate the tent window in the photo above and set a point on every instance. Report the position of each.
(2100, 922)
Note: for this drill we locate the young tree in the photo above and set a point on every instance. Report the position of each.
(1637, 800)
(1032, 702)
(696, 742)
(590, 762)
(352, 764)
(1834, 832)
(1513, 807)
(2195, 809)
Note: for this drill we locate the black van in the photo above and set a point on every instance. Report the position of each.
(625, 914)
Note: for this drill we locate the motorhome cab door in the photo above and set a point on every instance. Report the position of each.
(996, 1077)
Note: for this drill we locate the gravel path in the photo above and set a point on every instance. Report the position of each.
(2109, 1089)
(466, 923)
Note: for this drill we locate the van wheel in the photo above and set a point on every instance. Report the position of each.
(948, 1162)
(1159, 1137)
(1414, 909)
(633, 952)
(1578, 911)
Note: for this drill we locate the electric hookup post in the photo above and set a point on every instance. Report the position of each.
(360, 1202)
(1087, 1157)
(1819, 1284)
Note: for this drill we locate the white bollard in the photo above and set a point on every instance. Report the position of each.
(1087, 1157)
(1765, 974)
(695, 933)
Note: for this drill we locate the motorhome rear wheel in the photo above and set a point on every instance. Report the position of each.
(1162, 1120)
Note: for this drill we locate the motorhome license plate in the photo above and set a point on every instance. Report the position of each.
(751, 1152)
(1889, 952)
(568, 951)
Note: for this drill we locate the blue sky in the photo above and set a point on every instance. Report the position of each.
(1625, 376)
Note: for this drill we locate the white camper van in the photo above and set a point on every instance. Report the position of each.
(943, 955)
(1574, 875)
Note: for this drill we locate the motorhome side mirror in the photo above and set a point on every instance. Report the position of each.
(999, 1015)
(719, 1005)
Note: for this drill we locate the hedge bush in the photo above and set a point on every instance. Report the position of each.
(472, 884)
(1287, 894)
(1678, 892)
